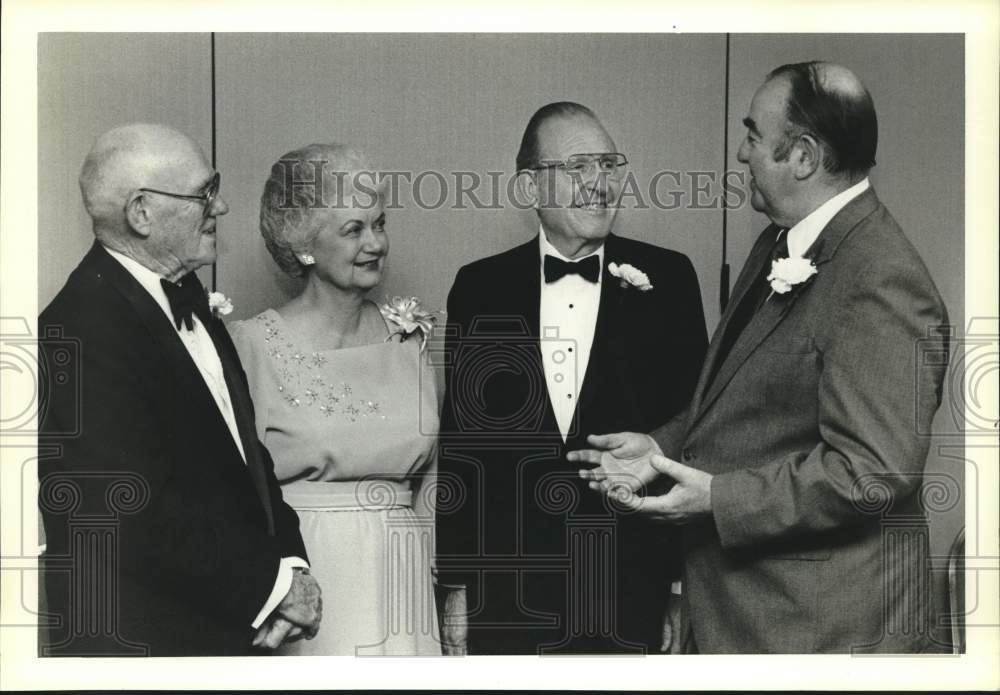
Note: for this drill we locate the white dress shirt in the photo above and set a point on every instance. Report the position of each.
(202, 350)
(803, 234)
(567, 318)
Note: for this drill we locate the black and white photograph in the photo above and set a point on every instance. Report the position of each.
(531, 349)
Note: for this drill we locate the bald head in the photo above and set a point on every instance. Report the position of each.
(829, 102)
(837, 79)
(130, 157)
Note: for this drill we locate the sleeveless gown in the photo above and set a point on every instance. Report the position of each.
(351, 431)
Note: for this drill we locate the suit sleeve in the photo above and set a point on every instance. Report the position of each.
(874, 399)
(171, 534)
(669, 435)
(457, 503)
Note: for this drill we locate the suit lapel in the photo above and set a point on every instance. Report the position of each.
(239, 397)
(525, 294)
(604, 330)
(177, 361)
(770, 315)
(753, 267)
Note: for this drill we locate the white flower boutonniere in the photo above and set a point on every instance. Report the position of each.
(788, 272)
(630, 275)
(408, 317)
(220, 304)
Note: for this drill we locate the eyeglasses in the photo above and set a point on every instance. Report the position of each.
(586, 164)
(208, 197)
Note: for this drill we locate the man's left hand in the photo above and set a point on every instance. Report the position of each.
(303, 604)
(688, 500)
(276, 631)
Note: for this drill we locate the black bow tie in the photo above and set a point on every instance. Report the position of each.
(186, 296)
(589, 268)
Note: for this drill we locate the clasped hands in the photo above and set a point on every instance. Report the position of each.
(626, 462)
(297, 616)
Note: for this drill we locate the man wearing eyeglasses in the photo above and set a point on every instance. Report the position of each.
(543, 340)
(176, 540)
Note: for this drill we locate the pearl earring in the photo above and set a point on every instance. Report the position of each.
(307, 259)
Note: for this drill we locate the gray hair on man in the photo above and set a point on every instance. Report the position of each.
(123, 159)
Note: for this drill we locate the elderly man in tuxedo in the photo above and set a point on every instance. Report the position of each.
(548, 340)
(797, 468)
(166, 531)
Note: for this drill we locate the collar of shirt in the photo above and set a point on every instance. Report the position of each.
(149, 279)
(546, 248)
(802, 235)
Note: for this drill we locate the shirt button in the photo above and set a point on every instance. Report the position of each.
(570, 306)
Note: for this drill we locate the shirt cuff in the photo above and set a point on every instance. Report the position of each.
(282, 583)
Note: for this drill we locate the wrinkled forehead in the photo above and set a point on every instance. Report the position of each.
(563, 136)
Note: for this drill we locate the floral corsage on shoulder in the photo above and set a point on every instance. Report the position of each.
(406, 317)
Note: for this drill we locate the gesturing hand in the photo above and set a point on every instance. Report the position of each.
(303, 604)
(623, 459)
(687, 501)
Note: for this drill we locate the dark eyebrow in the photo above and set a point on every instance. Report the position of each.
(751, 126)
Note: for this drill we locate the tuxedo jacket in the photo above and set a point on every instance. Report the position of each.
(509, 496)
(815, 429)
(160, 539)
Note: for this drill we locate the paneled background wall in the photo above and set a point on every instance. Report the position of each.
(90, 83)
(451, 103)
(459, 102)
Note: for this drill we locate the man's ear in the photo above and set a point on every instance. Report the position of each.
(807, 156)
(137, 213)
(527, 188)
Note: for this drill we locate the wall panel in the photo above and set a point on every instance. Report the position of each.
(88, 84)
(460, 102)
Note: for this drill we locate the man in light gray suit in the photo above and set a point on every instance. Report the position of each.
(797, 468)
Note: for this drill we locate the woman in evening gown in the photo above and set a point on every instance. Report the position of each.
(347, 407)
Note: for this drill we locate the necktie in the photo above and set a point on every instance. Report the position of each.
(589, 268)
(755, 296)
(186, 296)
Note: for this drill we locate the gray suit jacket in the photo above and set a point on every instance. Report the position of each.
(811, 427)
